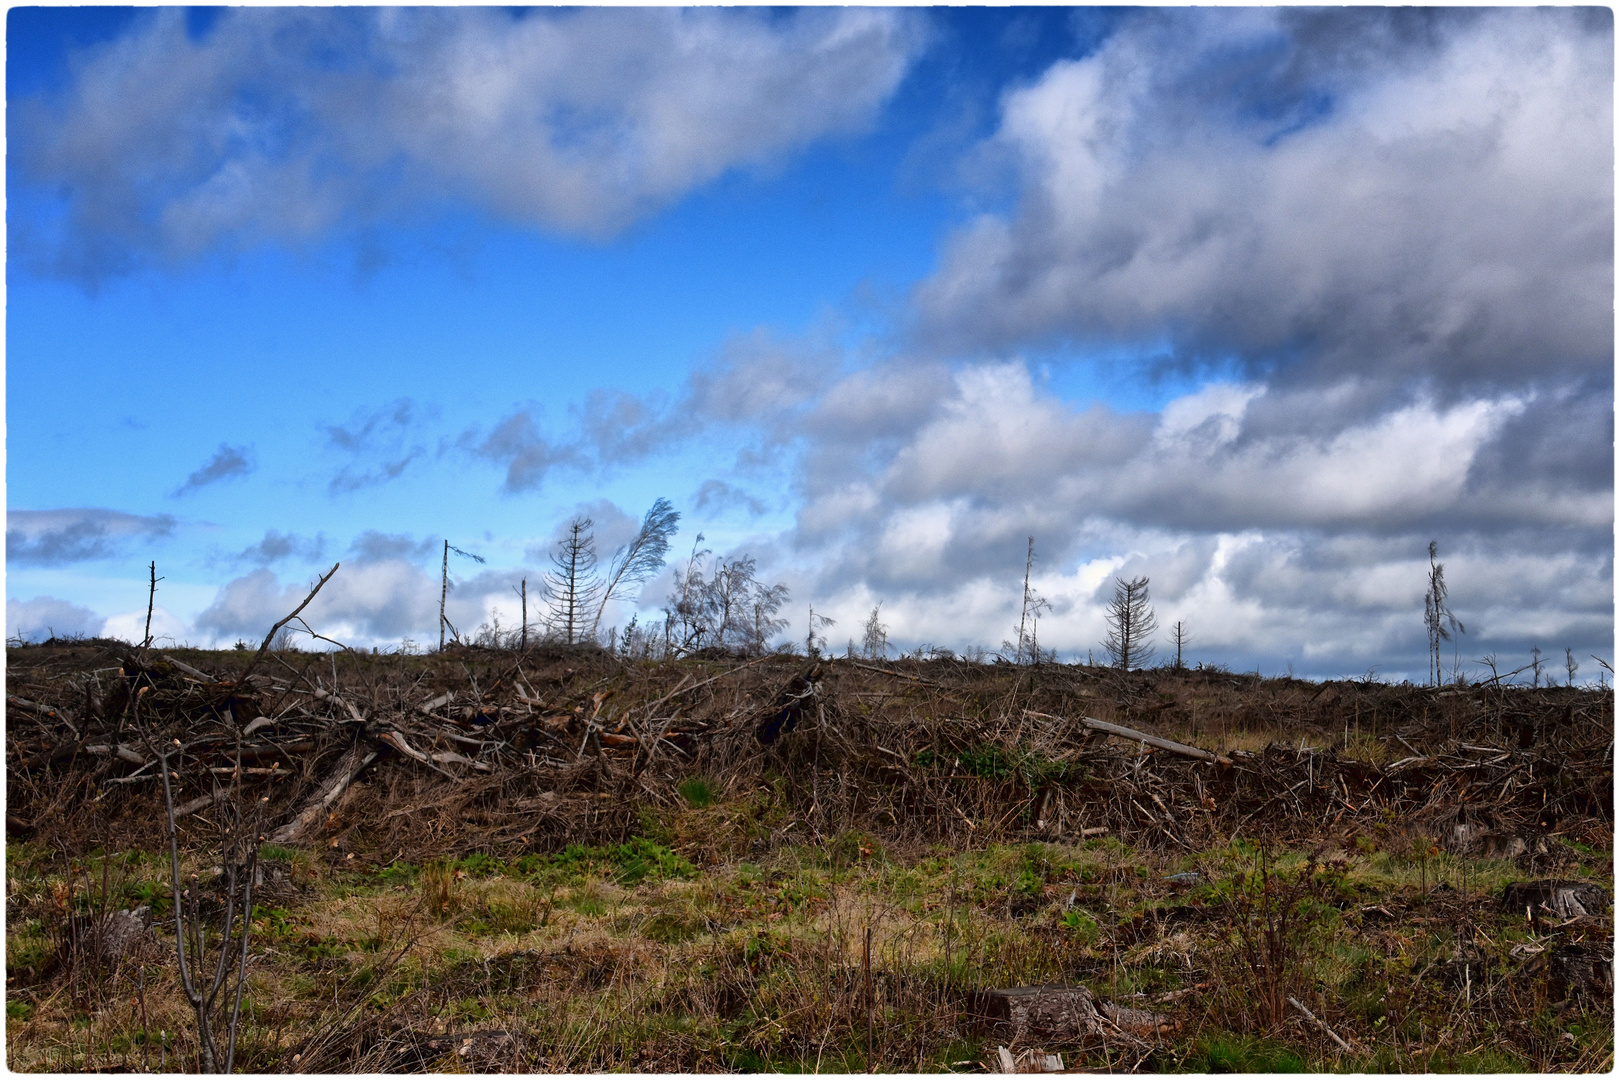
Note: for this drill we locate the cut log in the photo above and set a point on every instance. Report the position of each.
(1139, 1022)
(202, 802)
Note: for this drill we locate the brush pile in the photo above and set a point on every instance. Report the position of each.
(500, 750)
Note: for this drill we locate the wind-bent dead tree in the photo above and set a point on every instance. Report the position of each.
(1131, 624)
(641, 558)
(1029, 615)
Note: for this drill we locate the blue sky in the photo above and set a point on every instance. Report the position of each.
(1256, 303)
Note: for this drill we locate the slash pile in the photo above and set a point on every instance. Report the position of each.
(499, 750)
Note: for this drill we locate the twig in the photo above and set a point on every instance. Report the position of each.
(1320, 1023)
(696, 686)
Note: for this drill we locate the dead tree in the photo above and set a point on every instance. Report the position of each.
(875, 637)
(1437, 615)
(813, 642)
(641, 558)
(575, 588)
(1131, 624)
(1029, 614)
(444, 588)
(1178, 635)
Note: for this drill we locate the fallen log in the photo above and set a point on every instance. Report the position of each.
(1133, 735)
(329, 792)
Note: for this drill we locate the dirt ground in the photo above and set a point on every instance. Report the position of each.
(562, 860)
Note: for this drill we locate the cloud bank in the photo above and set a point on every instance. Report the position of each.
(280, 125)
(1394, 195)
(60, 537)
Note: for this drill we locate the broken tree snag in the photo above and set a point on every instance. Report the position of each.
(1560, 899)
(331, 789)
(265, 647)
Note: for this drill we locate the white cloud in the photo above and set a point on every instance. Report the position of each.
(282, 124)
(1288, 187)
(45, 616)
(167, 627)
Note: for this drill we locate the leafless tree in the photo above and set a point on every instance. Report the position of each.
(574, 587)
(641, 558)
(192, 940)
(1437, 615)
(729, 608)
(815, 642)
(875, 637)
(1029, 614)
(1178, 635)
(1131, 624)
(1571, 665)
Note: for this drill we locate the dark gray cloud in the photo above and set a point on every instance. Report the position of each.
(279, 545)
(717, 497)
(374, 546)
(1310, 194)
(379, 445)
(283, 124)
(44, 616)
(59, 537)
(227, 463)
(517, 444)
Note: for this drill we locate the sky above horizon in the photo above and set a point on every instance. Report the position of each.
(1253, 302)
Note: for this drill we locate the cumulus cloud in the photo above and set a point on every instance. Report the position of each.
(227, 462)
(1272, 517)
(279, 124)
(59, 537)
(1386, 194)
(367, 603)
(46, 616)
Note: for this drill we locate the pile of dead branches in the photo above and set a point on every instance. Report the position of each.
(499, 749)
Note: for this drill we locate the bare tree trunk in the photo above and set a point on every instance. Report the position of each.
(444, 591)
